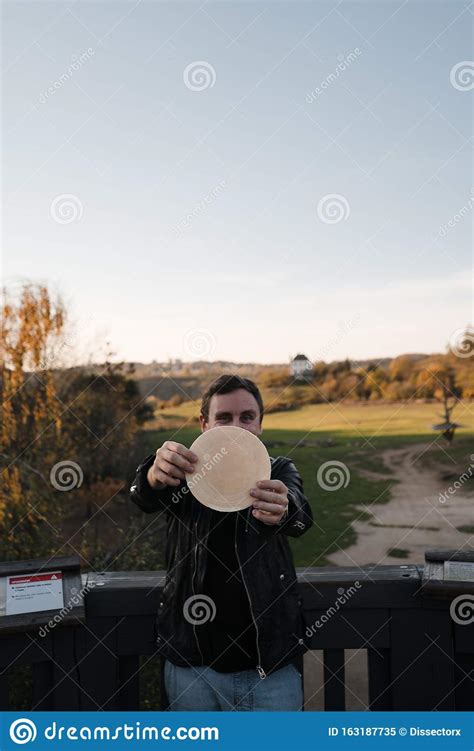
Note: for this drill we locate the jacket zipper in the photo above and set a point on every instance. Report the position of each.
(194, 592)
(260, 670)
(248, 521)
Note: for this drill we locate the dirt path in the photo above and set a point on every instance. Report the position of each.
(414, 519)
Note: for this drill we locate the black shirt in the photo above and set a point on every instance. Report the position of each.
(228, 642)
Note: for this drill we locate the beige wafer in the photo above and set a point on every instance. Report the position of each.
(230, 462)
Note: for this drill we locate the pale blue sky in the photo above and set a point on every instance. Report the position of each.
(247, 160)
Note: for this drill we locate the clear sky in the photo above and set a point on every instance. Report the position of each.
(243, 180)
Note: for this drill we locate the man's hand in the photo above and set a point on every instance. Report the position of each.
(271, 501)
(171, 462)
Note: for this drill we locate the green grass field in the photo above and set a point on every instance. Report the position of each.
(353, 434)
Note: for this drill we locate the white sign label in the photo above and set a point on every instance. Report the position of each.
(30, 593)
(459, 571)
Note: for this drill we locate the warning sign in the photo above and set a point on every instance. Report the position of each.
(30, 593)
(459, 571)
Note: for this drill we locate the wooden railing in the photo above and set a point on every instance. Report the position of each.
(418, 657)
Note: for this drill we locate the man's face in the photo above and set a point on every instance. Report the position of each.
(238, 409)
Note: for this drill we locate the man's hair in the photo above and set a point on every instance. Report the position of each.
(226, 384)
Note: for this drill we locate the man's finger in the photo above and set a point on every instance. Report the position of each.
(164, 478)
(276, 485)
(268, 495)
(170, 469)
(266, 518)
(177, 459)
(178, 448)
(272, 508)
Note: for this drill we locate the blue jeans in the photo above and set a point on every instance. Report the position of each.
(204, 689)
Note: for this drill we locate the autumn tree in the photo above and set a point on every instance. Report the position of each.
(439, 379)
(32, 324)
(67, 436)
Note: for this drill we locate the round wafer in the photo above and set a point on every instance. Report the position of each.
(230, 462)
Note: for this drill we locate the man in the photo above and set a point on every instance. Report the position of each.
(230, 623)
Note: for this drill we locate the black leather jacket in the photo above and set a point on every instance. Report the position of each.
(266, 566)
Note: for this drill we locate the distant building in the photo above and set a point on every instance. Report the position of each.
(301, 367)
(174, 366)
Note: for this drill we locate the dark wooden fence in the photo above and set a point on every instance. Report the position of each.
(418, 657)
